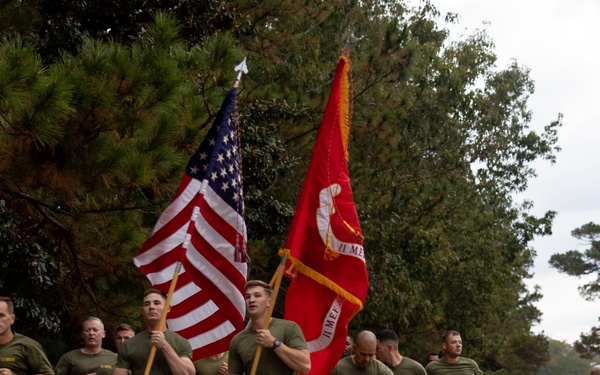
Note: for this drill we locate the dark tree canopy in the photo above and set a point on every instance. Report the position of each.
(57, 25)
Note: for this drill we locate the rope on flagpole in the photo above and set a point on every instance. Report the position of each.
(277, 278)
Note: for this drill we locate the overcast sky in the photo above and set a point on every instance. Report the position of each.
(558, 41)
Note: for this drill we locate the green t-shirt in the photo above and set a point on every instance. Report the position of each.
(408, 367)
(134, 353)
(210, 366)
(77, 362)
(242, 349)
(24, 356)
(464, 366)
(346, 366)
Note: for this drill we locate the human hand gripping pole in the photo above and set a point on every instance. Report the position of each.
(277, 277)
(163, 317)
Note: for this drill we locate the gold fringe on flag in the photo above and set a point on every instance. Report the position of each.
(302, 268)
(344, 109)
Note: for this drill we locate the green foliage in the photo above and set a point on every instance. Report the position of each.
(588, 345)
(103, 136)
(564, 360)
(29, 272)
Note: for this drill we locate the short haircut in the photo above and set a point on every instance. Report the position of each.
(388, 335)
(155, 291)
(365, 338)
(124, 327)
(10, 306)
(448, 334)
(430, 354)
(253, 283)
(93, 319)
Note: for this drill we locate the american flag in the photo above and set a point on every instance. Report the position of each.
(203, 230)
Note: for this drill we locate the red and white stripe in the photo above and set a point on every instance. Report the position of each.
(201, 231)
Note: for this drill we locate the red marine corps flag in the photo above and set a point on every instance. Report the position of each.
(198, 247)
(324, 245)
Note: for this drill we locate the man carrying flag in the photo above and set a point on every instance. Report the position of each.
(174, 352)
(324, 245)
(197, 251)
(284, 350)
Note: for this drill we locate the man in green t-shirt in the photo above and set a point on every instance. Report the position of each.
(19, 355)
(348, 347)
(284, 348)
(362, 360)
(92, 358)
(212, 365)
(173, 352)
(387, 352)
(123, 332)
(452, 363)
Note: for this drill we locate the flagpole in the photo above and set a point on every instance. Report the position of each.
(241, 68)
(274, 278)
(163, 317)
(278, 276)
